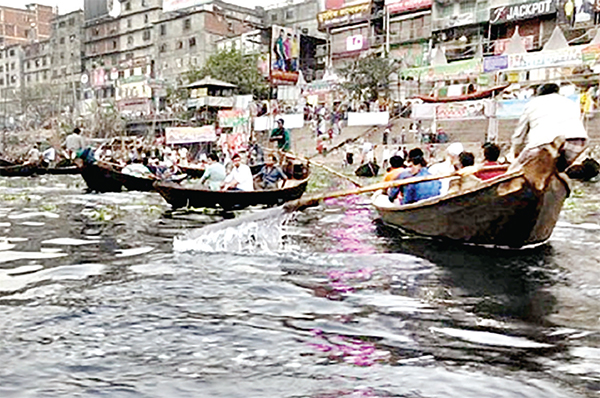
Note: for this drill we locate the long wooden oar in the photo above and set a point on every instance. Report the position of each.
(314, 200)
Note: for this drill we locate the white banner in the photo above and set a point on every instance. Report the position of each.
(190, 135)
(368, 118)
(267, 123)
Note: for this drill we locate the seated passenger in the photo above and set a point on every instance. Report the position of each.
(270, 174)
(415, 192)
(491, 153)
(214, 174)
(396, 167)
(466, 159)
(448, 166)
(240, 176)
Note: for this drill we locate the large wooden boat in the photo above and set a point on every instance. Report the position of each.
(179, 196)
(519, 208)
(464, 97)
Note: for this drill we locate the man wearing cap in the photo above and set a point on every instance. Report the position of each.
(240, 176)
(448, 166)
(281, 136)
(547, 116)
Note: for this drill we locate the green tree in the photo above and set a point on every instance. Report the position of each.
(367, 77)
(232, 66)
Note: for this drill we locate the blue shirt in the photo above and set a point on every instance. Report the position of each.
(415, 192)
(270, 176)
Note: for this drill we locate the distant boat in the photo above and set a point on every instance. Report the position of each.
(516, 209)
(464, 97)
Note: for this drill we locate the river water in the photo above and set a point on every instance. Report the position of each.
(112, 295)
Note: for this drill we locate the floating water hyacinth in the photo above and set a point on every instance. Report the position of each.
(349, 350)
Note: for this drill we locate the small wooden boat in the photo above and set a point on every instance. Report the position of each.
(19, 170)
(179, 196)
(517, 209)
(464, 97)
(100, 179)
(60, 170)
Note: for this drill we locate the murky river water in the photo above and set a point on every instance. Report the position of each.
(96, 299)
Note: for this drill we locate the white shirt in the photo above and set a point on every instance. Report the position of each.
(445, 167)
(545, 118)
(243, 176)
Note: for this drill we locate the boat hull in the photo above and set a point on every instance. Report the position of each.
(178, 196)
(486, 215)
(100, 179)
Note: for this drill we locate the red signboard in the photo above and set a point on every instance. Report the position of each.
(397, 6)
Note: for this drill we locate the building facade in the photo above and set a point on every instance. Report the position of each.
(20, 26)
(66, 54)
(10, 80)
(186, 38)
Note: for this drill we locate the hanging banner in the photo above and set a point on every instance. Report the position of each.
(397, 6)
(285, 55)
(591, 54)
(368, 118)
(460, 110)
(190, 135)
(543, 59)
(491, 64)
(344, 16)
(233, 118)
(501, 44)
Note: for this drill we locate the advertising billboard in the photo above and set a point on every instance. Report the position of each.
(285, 55)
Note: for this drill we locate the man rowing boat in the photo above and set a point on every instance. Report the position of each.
(546, 117)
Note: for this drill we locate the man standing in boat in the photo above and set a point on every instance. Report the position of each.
(282, 136)
(547, 116)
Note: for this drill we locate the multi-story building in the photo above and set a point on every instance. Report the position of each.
(353, 27)
(298, 14)
(20, 26)
(186, 38)
(409, 31)
(66, 46)
(36, 64)
(118, 44)
(10, 80)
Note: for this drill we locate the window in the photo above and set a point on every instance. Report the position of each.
(192, 42)
(1, 82)
(72, 38)
(273, 17)
(44, 75)
(1, 68)
(129, 23)
(62, 55)
(146, 18)
(128, 6)
(71, 21)
(289, 14)
(187, 24)
(163, 48)
(44, 61)
(467, 6)
(62, 24)
(146, 35)
(27, 65)
(13, 79)
(114, 44)
(163, 30)
(130, 40)
(95, 32)
(62, 40)
(179, 45)
(178, 62)
(12, 53)
(28, 78)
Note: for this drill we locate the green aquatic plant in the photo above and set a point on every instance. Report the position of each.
(104, 213)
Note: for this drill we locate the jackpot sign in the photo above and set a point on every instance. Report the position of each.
(522, 11)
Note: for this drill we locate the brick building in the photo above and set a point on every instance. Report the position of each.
(19, 26)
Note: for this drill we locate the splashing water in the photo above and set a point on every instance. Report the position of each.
(256, 232)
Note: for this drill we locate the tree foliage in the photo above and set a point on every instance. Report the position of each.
(232, 66)
(367, 77)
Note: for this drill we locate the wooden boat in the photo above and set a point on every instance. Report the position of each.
(19, 170)
(100, 179)
(464, 97)
(179, 196)
(60, 170)
(514, 210)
